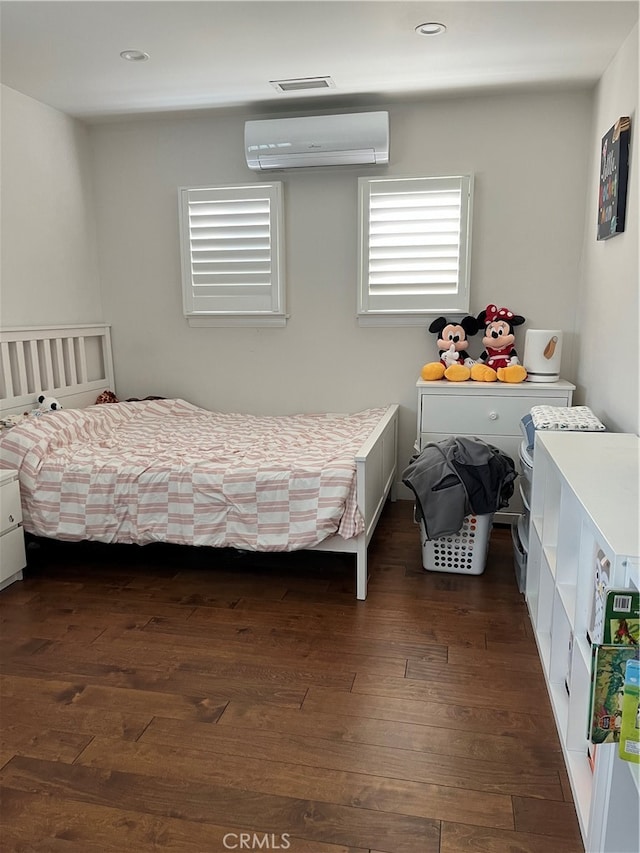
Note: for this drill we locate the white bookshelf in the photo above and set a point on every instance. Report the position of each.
(584, 501)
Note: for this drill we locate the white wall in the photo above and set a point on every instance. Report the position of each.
(529, 154)
(608, 363)
(49, 268)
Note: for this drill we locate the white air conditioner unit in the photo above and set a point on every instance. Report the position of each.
(335, 140)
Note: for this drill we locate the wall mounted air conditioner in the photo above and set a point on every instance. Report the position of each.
(333, 140)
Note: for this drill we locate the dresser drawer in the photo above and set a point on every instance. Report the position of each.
(476, 415)
(12, 553)
(10, 509)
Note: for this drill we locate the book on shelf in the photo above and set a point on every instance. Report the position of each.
(593, 675)
(629, 748)
(621, 624)
(609, 665)
(601, 580)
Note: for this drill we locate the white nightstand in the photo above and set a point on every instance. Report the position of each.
(12, 551)
(488, 410)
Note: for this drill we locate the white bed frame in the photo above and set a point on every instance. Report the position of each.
(71, 363)
(74, 364)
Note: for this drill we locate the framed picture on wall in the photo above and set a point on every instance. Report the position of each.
(614, 170)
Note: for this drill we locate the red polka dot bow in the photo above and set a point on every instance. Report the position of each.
(493, 313)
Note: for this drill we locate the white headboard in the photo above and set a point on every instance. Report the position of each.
(72, 363)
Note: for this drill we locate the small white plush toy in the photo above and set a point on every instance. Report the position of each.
(47, 404)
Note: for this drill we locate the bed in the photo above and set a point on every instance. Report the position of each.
(166, 470)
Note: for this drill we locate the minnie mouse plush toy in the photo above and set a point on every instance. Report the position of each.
(499, 359)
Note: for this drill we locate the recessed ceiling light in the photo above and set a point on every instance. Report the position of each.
(134, 55)
(431, 29)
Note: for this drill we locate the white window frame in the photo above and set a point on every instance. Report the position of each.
(247, 286)
(421, 298)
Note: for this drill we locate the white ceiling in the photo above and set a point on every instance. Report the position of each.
(224, 54)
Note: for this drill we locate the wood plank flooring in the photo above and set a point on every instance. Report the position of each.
(184, 699)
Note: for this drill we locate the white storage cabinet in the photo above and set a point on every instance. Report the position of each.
(584, 504)
(12, 551)
(488, 410)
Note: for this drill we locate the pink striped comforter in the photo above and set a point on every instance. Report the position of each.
(168, 471)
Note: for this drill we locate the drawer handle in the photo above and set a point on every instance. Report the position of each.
(493, 416)
(11, 519)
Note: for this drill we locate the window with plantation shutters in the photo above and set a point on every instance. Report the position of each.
(232, 258)
(415, 239)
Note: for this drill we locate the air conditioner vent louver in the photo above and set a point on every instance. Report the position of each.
(324, 140)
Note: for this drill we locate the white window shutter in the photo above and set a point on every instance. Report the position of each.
(232, 258)
(415, 240)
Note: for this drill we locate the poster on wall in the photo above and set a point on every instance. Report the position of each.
(614, 169)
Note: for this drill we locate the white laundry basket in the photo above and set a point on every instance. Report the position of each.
(464, 552)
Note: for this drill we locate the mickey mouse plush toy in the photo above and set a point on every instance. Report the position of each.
(499, 359)
(454, 363)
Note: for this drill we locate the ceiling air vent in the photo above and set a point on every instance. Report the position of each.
(302, 83)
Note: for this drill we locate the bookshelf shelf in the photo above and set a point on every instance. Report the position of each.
(567, 596)
(581, 783)
(544, 650)
(536, 525)
(583, 652)
(575, 522)
(550, 556)
(560, 703)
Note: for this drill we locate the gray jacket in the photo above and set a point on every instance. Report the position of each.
(456, 477)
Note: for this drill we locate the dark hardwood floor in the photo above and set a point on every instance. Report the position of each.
(183, 699)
